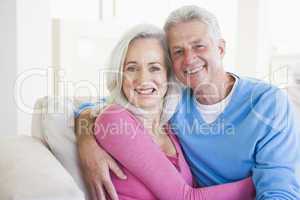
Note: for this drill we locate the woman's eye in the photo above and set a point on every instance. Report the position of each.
(131, 68)
(154, 68)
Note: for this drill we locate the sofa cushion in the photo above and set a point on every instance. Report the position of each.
(58, 133)
(28, 171)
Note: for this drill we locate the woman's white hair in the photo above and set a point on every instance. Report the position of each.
(118, 55)
(192, 13)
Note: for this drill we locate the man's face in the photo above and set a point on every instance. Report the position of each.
(196, 56)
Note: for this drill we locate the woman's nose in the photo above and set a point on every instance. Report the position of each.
(143, 76)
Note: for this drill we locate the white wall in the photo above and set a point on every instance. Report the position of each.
(25, 54)
(75, 9)
(33, 56)
(253, 44)
(8, 66)
(283, 18)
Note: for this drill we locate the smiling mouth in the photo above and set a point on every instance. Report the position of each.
(145, 91)
(193, 70)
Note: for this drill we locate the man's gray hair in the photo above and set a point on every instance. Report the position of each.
(118, 55)
(192, 13)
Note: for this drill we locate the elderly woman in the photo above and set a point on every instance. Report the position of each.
(133, 127)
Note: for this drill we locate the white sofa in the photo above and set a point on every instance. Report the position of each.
(44, 166)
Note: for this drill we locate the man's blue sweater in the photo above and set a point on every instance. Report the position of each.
(256, 135)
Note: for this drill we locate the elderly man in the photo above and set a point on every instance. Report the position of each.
(229, 127)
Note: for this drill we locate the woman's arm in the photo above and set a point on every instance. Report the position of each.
(119, 133)
(94, 161)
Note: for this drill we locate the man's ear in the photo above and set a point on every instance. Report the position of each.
(222, 47)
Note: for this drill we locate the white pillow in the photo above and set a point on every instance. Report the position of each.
(28, 171)
(58, 132)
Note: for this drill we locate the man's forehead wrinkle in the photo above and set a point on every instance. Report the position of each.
(186, 40)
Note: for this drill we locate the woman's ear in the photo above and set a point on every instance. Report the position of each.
(221, 47)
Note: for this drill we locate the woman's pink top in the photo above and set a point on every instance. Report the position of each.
(150, 173)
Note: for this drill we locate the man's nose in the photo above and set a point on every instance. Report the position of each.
(188, 57)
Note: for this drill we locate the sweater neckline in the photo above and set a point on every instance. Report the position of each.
(226, 110)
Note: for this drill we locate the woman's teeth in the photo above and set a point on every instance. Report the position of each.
(145, 91)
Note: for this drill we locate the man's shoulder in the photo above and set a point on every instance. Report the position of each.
(254, 82)
(265, 99)
(248, 87)
(257, 87)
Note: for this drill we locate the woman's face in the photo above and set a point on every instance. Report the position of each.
(145, 74)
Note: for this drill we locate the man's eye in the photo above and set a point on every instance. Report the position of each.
(199, 46)
(177, 52)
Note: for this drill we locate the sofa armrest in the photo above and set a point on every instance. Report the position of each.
(28, 171)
